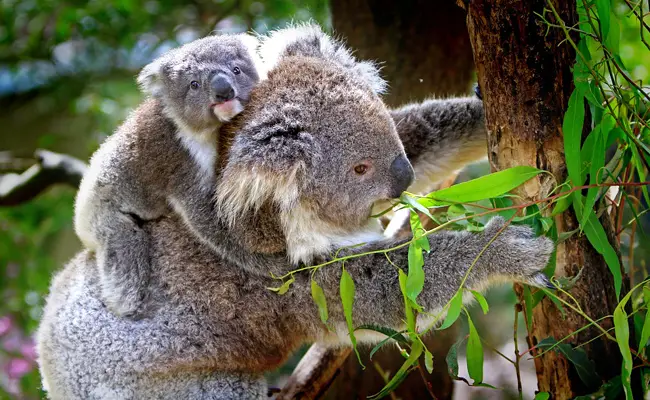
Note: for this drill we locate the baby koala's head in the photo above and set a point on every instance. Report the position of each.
(205, 82)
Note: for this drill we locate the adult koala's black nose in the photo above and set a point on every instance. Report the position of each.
(403, 175)
(222, 89)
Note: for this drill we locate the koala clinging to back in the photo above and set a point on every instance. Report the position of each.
(166, 146)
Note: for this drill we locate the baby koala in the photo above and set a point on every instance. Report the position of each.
(162, 160)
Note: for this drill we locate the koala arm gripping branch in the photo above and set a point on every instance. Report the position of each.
(441, 136)
(515, 254)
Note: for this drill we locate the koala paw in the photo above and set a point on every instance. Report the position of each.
(477, 91)
(517, 253)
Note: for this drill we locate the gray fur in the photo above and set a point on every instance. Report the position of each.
(140, 173)
(441, 136)
(215, 328)
(309, 40)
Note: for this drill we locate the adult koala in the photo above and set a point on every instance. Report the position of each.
(290, 188)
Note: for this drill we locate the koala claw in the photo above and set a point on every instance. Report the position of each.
(477, 91)
(539, 279)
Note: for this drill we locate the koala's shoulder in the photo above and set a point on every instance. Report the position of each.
(146, 142)
(147, 122)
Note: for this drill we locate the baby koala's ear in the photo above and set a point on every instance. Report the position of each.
(150, 78)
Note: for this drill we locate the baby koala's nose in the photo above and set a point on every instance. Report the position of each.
(222, 89)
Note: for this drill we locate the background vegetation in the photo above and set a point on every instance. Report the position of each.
(67, 80)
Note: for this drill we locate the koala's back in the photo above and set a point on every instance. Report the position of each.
(85, 352)
(130, 170)
(210, 321)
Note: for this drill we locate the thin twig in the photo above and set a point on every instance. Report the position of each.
(517, 355)
(427, 384)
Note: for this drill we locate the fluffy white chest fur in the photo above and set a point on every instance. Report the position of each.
(203, 150)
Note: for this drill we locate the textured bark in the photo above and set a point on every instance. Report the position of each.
(525, 75)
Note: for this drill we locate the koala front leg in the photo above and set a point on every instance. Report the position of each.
(515, 255)
(124, 263)
(441, 136)
(194, 201)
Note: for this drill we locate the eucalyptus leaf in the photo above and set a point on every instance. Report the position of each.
(481, 301)
(622, 331)
(645, 333)
(415, 205)
(418, 232)
(452, 358)
(397, 336)
(640, 169)
(284, 288)
(474, 354)
(597, 162)
(455, 307)
(415, 278)
(347, 291)
(562, 204)
(402, 373)
(585, 367)
(428, 361)
(389, 332)
(572, 131)
(604, 10)
(613, 41)
(564, 236)
(408, 309)
(598, 239)
(319, 298)
(485, 187)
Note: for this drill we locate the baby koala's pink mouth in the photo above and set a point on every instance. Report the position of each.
(227, 109)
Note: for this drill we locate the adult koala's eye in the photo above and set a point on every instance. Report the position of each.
(361, 169)
(236, 71)
(194, 85)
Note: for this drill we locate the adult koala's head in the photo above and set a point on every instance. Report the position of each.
(317, 143)
(205, 82)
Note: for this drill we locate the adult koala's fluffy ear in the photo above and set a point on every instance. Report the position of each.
(309, 40)
(267, 162)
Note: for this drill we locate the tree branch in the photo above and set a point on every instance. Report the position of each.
(50, 169)
(314, 373)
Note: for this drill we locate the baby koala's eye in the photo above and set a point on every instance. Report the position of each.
(361, 169)
(194, 85)
(236, 71)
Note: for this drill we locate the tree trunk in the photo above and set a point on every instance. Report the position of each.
(424, 50)
(422, 45)
(524, 71)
